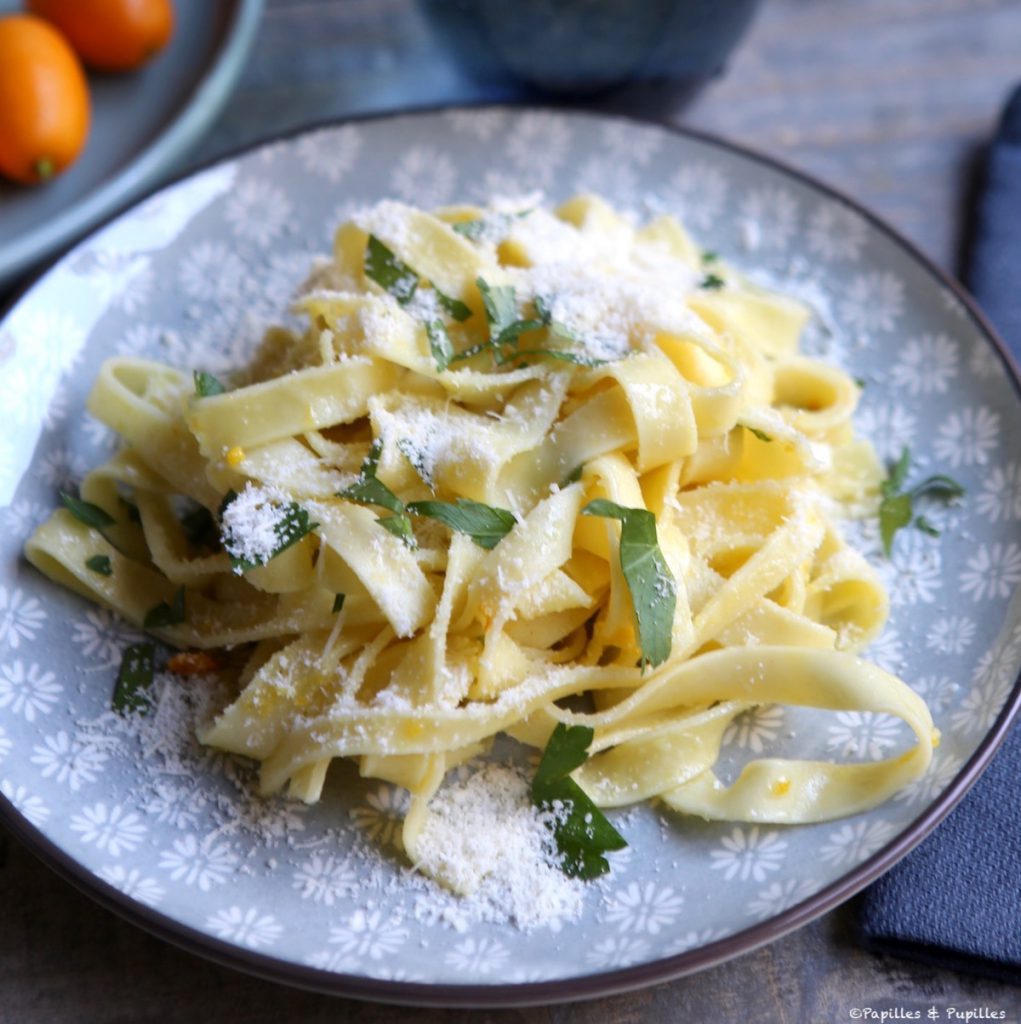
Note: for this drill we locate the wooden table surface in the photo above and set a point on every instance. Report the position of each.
(891, 101)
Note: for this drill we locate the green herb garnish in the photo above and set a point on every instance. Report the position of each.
(368, 490)
(711, 282)
(293, 524)
(501, 305)
(896, 509)
(652, 585)
(133, 514)
(926, 526)
(134, 679)
(227, 499)
(470, 229)
(86, 512)
(582, 832)
(100, 564)
(389, 272)
(455, 307)
(338, 603)
(486, 525)
(417, 460)
(206, 385)
(164, 614)
(709, 256)
(506, 329)
(498, 224)
(760, 434)
(574, 476)
(400, 526)
(439, 344)
(200, 527)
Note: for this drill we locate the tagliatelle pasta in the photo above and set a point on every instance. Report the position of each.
(520, 468)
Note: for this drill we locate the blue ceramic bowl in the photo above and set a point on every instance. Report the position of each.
(585, 46)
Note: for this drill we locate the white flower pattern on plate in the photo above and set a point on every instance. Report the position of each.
(890, 428)
(749, 853)
(334, 960)
(102, 636)
(1000, 497)
(33, 808)
(926, 365)
(967, 437)
(21, 617)
(941, 773)
(697, 193)
(950, 634)
(424, 176)
(835, 233)
(200, 863)
(133, 883)
(258, 211)
(771, 217)
(623, 142)
(780, 896)
(873, 302)
(211, 272)
(863, 734)
(330, 153)
(938, 692)
(61, 469)
(177, 805)
(113, 829)
(381, 819)
(484, 125)
(54, 337)
(887, 651)
(856, 841)
(23, 517)
(617, 951)
(68, 760)
(324, 879)
(693, 939)
(370, 933)
(250, 928)
(644, 908)
(914, 572)
(753, 729)
(28, 691)
(993, 571)
(474, 957)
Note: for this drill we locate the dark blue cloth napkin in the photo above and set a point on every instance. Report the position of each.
(956, 900)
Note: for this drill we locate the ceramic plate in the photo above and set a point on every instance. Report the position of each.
(142, 123)
(171, 835)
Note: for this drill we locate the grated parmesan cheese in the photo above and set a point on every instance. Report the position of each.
(251, 520)
(485, 839)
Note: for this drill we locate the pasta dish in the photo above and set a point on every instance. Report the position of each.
(544, 474)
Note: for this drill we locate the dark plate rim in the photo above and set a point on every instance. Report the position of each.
(86, 213)
(587, 986)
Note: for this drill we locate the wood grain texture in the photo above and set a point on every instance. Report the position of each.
(889, 100)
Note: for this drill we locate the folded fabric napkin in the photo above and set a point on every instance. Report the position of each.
(954, 901)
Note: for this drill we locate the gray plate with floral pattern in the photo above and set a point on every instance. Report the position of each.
(172, 836)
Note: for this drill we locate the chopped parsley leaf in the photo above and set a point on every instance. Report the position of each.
(896, 509)
(166, 614)
(134, 678)
(582, 832)
(652, 585)
(100, 564)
